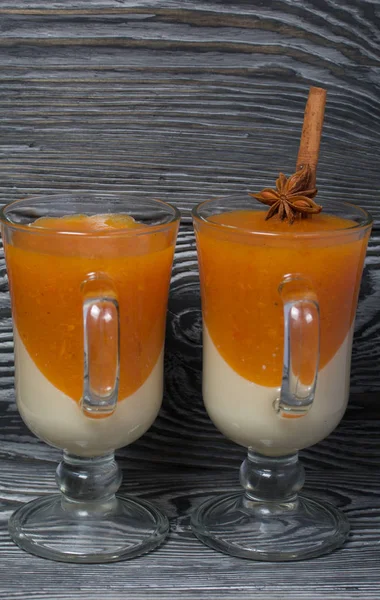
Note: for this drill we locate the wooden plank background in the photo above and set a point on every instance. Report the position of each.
(184, 100)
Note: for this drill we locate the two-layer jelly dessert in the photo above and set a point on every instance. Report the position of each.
(243, 260)
(48, 263)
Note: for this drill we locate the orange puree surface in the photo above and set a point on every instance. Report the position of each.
(46, 270)
(241, 274)
(88, 224)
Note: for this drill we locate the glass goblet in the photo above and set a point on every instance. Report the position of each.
(89, 278)
(278, 304)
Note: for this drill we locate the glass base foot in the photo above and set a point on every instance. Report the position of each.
(85, 532)
(270, 531)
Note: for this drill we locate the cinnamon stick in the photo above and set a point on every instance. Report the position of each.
(311, 131)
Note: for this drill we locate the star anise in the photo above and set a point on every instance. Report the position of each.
(292, 195)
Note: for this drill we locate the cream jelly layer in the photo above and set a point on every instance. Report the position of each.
(243, 411)
(59, 421)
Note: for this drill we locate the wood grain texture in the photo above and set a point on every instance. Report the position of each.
(183, 101)
(182, 566)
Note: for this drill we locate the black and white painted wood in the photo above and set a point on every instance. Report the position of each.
(184, 100)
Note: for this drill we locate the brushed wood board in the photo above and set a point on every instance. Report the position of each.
(183, 101)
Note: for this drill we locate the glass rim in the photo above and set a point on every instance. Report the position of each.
(115, 232)
(366, 222)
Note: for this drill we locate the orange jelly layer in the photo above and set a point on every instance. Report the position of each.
(46, 271)
(241, 274)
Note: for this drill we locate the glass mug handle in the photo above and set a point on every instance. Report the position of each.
(101, 324)
(301, 347)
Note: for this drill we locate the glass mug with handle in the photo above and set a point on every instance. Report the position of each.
(278, 304)
(89, 277)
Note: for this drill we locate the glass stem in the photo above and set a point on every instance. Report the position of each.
(88, 485)
(274, 480)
